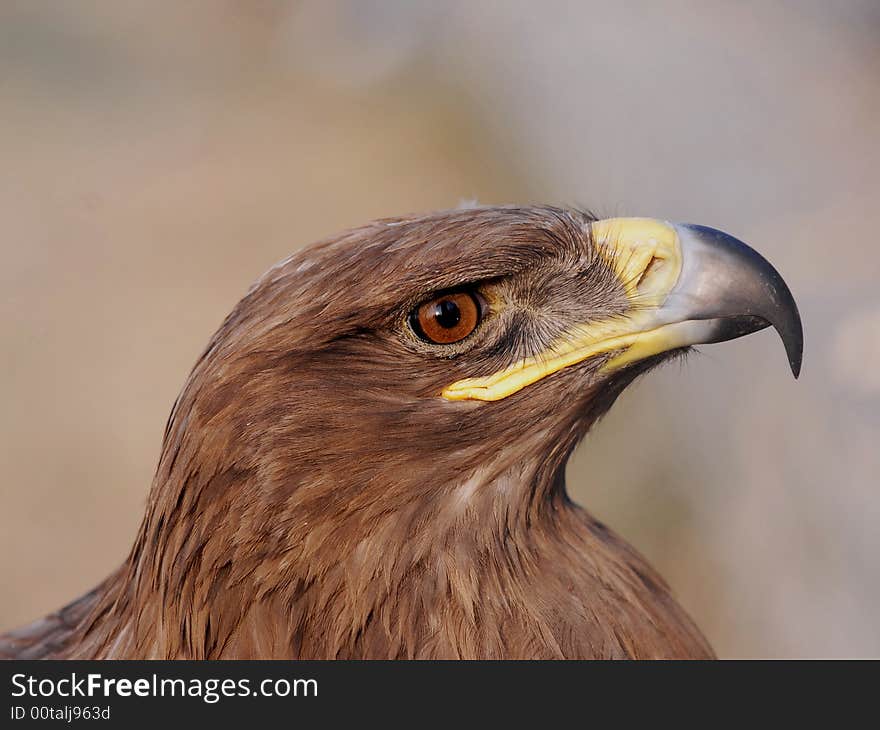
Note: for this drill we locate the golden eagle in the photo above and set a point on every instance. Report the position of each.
(367, 461)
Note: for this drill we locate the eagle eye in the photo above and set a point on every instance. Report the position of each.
(446, 318)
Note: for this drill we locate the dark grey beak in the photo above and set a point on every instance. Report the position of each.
(734, 290)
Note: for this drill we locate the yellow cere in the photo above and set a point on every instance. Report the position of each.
(646, 256)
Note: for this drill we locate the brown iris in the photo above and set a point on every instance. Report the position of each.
(446, 318)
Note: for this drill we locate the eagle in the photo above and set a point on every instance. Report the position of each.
(368, 459)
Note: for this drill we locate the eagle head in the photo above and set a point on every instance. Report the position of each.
(368, 458)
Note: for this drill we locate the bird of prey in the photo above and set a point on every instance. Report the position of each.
(368, 459)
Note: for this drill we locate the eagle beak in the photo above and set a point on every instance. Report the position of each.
(687, 284)
(701, 286)
(733, 291)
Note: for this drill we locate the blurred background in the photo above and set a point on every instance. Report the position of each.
(157, 157)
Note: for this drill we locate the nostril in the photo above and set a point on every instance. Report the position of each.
(654, 265)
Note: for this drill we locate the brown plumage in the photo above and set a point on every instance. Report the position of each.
(316, 498)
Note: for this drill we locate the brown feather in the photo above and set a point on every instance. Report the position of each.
(314, 497)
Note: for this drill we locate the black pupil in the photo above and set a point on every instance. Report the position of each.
(447, 314)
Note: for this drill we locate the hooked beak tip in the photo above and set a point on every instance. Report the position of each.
(727, 279)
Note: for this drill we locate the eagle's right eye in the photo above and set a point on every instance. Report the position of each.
(446, 318)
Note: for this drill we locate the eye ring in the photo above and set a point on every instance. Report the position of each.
(447, 318)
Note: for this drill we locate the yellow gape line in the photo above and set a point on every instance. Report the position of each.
(646, 256)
